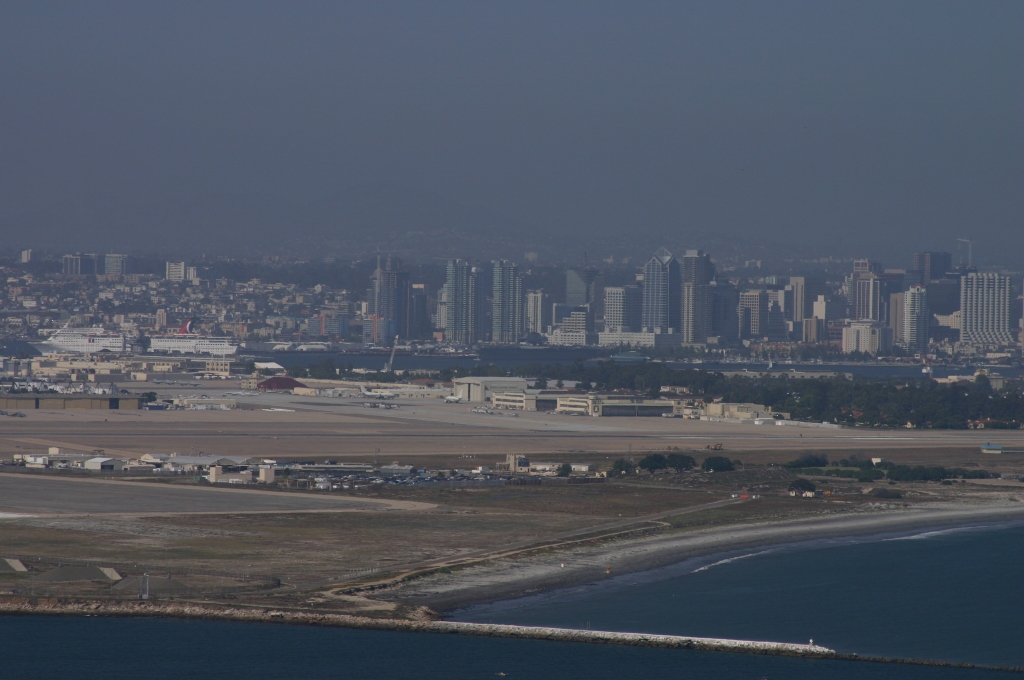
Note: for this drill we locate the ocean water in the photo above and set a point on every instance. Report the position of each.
(943, 594)
(948, 594)
(96, 648)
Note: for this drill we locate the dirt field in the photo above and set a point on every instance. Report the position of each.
(53, 495)
(313, 540)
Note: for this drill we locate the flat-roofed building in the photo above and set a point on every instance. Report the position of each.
(870, 337)
(985, 309)
(623, 306)
(516, 401)
(482, 389)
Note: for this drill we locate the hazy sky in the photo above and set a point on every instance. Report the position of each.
(851, 128)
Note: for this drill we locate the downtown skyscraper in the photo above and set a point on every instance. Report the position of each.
(697, 273)
(662, 290)
(507, 304)
(464, 298)
(916, 319)
(985, 309)
(388, 304)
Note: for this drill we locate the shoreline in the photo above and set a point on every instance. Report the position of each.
(549, 571)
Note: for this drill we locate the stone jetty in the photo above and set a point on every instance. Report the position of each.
(197, 610)
(179, 609)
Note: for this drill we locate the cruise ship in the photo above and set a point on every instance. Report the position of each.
(86, 341)
(186, 341)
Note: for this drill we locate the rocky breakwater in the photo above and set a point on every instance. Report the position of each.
(179, 609)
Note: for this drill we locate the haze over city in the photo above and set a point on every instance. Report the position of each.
(784, 129)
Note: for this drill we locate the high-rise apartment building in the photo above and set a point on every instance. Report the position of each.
(388, 307)
(916, 319)
(506, 304)
(896, 321)
(777, 330)
(944, 295)
(441, 317)
(419, 318)
(752, 314)
(464, 300)
(26, 256)
(161, 318)
(538, 312)
(696, 273)
(71, 265)
(585, 287)
(806, 290)
(867, 267)
(91, 264)
(174, 271)
(662, 291)
(116, 265)
(985, 309)
(932, 266)
(869, 337)
(623, 309)
(867, 299)
(725, 300)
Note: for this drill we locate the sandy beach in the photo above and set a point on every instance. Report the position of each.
(580, 564)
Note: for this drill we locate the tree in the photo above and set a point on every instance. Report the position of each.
(718, 464)
(584, 385)
(541, 384)
(809, 460)
(559, 384)
(681, 461)
(621, 467)
(564, 470)
(800, 484)
(654, 461)
(149, 396)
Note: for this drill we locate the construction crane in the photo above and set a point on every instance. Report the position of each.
(388, 367)
(970, 250)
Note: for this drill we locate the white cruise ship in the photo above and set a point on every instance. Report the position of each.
(86, 341)
(186, 341)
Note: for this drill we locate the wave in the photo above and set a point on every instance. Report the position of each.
(730, 559)
(933, 534)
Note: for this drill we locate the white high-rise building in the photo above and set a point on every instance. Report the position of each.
(870, 337)
(175, 271)
(538, 312)
(71, 265)
(623, 307)
(985, 309)
(115, 264)
(916, 318)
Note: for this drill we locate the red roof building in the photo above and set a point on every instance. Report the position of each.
(278, 382)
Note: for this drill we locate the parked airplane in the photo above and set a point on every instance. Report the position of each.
(377, 395)
(453, 400)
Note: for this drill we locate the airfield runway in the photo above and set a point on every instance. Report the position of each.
(429, 432)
